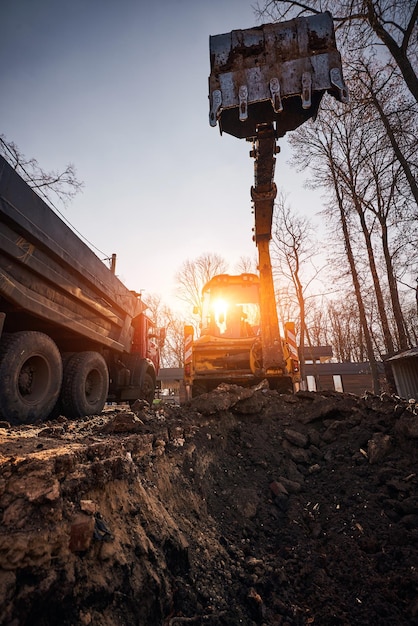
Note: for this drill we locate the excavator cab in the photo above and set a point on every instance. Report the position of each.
(274, 73)
(231, 306)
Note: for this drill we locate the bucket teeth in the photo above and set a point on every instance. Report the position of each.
(275, 95)
(306, 94)
(338, 82)
(243, 103)
(216, 105)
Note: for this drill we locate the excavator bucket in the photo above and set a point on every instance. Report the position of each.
(273, 73)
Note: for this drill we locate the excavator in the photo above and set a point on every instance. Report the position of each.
(264, 81)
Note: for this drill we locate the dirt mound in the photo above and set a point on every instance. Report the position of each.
(243, 507)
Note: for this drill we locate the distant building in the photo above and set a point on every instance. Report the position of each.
(170, 383)
(347, 377)
(405, 372)
(321, 374)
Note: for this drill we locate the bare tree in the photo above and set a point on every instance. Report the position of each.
(350, 149)
(347, 338)
(286, 301)
(246, 264)
(354, 146)
(356, 285)
(52, 185)
(363, 24)
(192, 276)
(293, 252)
(321, 147)
(172, 353)
(319, 327)
(393, 179)
(175, 340)
(380, 88)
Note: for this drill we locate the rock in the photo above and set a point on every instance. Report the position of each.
(139, 406)
(407, 426)
(278, 489)
(126, 422)
(88, 506)
(292, 472)
(378, 447)
(291, 486)
(256, 604)
(297, 439)
(220, 399)
(39, 487)
(252, 405)
(81, 533)
(334, 430)
(17, 514)
(314, 468)
(298, 455)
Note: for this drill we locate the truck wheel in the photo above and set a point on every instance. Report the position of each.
(147, 389)
(30, 376)
(85, 384)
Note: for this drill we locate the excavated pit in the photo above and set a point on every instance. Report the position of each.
(243, 507)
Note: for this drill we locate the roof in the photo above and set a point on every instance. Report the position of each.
(342, 369)
(317, 352)
(411, 353)
(170, 373)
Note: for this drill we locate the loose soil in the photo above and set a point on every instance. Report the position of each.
(242, 507)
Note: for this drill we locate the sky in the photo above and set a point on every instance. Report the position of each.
(120, 89)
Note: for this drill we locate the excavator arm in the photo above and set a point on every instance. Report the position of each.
(263, 195)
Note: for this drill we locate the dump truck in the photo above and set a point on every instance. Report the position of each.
(72, 335)
(264, 81)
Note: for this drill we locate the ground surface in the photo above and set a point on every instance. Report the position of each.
(245, 507)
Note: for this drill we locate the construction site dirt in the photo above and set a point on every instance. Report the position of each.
(242, 507)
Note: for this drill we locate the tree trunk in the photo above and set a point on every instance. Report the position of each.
(398, 52)
(301, 302)
(393, 288)
(356, 284)
(396, 148)
(390, 350)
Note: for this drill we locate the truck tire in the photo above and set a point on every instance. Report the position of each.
(85, 385)
(30, 376)
(147, 389)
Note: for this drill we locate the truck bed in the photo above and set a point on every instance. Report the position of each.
(52, 280)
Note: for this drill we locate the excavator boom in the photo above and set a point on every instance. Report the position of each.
(263, 195)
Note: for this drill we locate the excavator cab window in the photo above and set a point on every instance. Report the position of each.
(231, 311)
